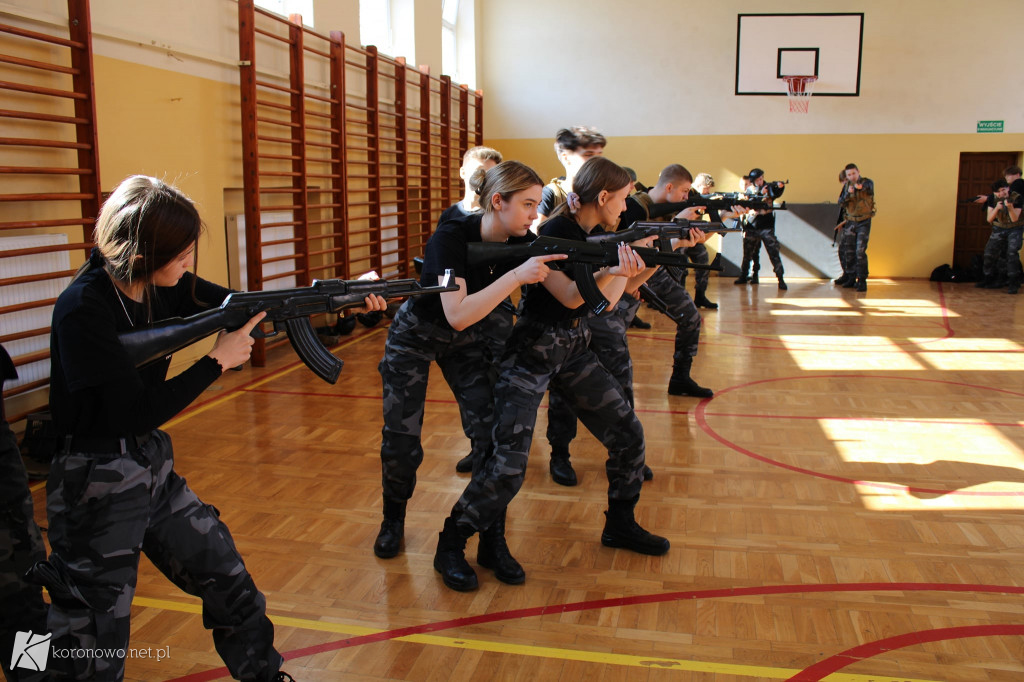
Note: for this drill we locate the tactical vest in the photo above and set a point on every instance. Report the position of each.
(1003, 216)
(644, 199)
(859, 206)
(561, 188)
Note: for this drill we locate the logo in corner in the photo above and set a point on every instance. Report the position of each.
(31, 651)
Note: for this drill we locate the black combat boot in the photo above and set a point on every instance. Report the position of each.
(648, 473)
(1013, 287)
(753, 278)
(465, 465)
(492, 553)
(392, 530)
(841, 282)
(862, 284)
(851, 283)
(622, 530)
(701, 301)
(680, 382)
(638, 323)
(561, 469)
(450, 559)
(782, 284)
(743, 279)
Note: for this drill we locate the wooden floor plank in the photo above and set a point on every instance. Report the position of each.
(853, 438)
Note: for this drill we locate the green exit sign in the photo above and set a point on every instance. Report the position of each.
(990, 126)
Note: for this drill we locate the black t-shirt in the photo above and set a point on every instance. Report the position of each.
(452, 212)
(539, 305)
(635, 210)
(95, 390)
(446, 250)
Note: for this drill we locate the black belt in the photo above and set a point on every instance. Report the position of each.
(100, 445)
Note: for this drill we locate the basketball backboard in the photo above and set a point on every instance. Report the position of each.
(770, 46)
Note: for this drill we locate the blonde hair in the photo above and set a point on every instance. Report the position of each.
(505, 179)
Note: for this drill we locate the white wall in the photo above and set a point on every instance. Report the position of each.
(657, 67)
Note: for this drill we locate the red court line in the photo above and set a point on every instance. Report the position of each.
(786, 417)
(823, 669)
(700, 414)
(552, 609)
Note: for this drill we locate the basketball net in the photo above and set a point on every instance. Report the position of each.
(799, 89)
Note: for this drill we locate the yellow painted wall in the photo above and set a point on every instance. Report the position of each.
(915, 178)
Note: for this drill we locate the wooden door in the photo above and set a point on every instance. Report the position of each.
(977, 173)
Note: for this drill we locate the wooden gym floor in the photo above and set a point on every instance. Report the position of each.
(848, 504)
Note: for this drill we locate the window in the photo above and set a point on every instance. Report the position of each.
(375, 25)
(458, 50)
(289, 7)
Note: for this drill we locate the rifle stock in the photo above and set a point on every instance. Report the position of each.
(287, 309)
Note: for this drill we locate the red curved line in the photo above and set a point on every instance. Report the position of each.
(826, 667)
(700, 415)
(550, 609)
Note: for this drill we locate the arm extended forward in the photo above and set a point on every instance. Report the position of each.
(286, 308)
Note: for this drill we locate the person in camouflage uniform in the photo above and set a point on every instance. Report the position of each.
(457, 330)
(500, 325)
(550, 346)
(608, 330)
(857, 202)
(112, 493)
(762, 228)
(1002, 251)
(21, 545)
(698, 253)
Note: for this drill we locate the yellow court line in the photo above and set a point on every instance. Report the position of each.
(234, 393)
(648, 662)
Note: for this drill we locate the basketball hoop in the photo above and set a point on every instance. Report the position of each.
(799, 89)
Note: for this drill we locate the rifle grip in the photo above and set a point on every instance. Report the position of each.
(588, 288)
(307, 346)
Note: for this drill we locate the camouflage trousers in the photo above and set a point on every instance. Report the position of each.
(699, 254)
(21, 604)
(853, 248)
(467, 362)
(682, 307)
(539, 355)
(104, 510)
(751, 252)
(608, 341)
(766, 236)
(1002, 254)
(494, 331)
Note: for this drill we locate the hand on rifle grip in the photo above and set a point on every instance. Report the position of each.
(234, 348)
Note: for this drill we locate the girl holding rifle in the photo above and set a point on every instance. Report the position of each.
(456, 330)
(112, 492)
(549, 345)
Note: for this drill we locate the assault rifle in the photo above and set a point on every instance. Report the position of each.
(664, 231)
(583, 257)
(288, 309)
(718, 202)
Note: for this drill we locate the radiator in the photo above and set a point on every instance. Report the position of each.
(35, 318)
(239, 273)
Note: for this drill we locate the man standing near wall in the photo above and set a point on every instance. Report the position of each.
(1007, 219)
(762, 224)
(857, 203)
